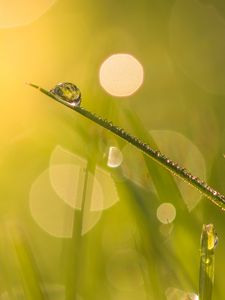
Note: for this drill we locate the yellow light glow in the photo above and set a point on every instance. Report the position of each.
(22, 12)
(121, 75)
(166, 213)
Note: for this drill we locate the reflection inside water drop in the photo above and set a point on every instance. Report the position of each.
(68, 92)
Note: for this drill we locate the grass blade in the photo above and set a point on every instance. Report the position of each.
(32, 285)
(207, 257)
(210, 193)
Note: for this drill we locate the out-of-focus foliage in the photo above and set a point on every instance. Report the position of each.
(74, 220)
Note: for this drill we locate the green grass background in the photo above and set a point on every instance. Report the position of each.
(125, 256)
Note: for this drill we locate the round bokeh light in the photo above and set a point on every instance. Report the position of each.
(166, 213)
(121, 75)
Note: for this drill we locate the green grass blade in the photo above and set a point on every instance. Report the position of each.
(163, 181)
(32, 285)
(214, 196)
(206, 276)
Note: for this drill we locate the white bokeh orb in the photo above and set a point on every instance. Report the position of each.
(166, 213)
(121, 75)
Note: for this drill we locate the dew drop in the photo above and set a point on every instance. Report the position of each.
(68, 92)
(206, 259)
(158, 153)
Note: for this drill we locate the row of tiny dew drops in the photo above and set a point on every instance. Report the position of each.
(71, 94)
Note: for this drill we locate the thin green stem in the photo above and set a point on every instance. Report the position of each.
(216, 197)
(32, 285)
(206, 275)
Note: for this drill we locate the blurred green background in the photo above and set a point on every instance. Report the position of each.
(74, 225)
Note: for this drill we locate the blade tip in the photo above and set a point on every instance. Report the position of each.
(32, 84)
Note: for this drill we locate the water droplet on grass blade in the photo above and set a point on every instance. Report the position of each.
(68, 92)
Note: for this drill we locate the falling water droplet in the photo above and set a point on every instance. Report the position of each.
(68, 92)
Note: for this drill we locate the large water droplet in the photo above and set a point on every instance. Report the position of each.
(68, 92)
